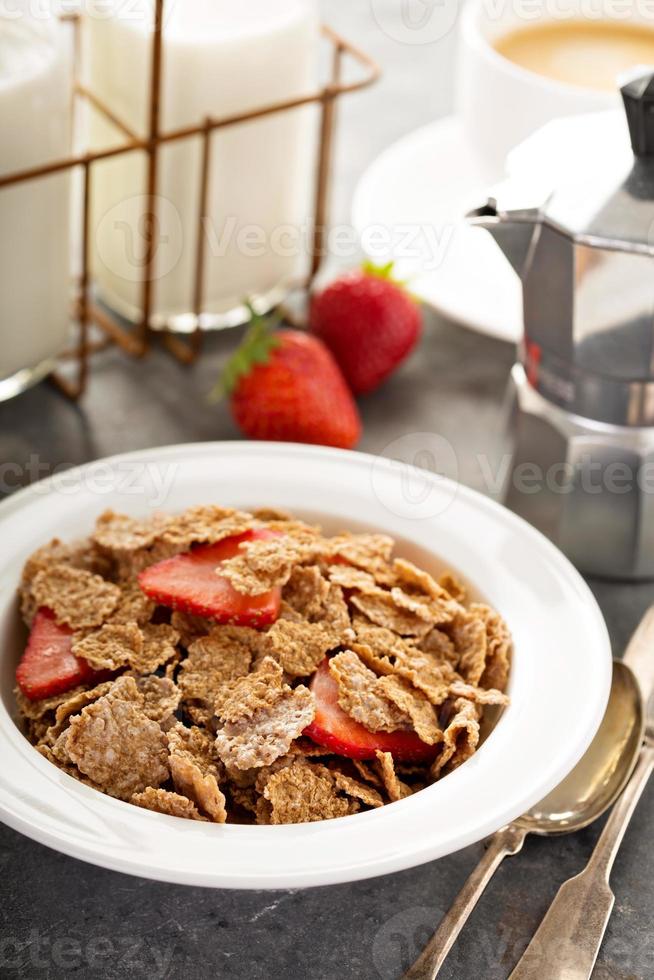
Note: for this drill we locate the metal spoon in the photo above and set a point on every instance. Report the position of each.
(592, 786)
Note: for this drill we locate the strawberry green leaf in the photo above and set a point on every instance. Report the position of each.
(383, 272)
(256, 348)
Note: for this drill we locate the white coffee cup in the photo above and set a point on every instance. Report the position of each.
(501, 103)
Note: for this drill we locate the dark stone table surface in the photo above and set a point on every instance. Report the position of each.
(62, 918)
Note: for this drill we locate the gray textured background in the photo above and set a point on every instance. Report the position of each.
(63, 918)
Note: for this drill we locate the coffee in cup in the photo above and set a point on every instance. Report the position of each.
(579, 52)
(523, 63)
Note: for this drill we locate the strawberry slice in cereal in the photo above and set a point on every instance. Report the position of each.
(48, 665)
(191, 583)
(334, 729)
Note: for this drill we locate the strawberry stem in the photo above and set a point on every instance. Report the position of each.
(380, 271)
(256, 347)
(385, 272)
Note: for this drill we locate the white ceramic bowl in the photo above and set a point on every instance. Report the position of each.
(559, 680)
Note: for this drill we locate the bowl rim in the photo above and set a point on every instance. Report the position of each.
(40, 801)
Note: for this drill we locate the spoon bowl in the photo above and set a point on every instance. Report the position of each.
(602, 773)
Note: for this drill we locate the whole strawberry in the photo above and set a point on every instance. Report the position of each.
(369, 322)
(285, 385)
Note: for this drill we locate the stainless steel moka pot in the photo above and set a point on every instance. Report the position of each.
(575, 219)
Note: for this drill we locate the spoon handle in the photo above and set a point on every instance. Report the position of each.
(638, 655)
(567, 942)
(507, 841)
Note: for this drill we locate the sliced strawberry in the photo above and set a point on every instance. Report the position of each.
(190, 583)
(48, 665)
(334, 729)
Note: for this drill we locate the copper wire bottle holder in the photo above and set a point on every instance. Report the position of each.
(137, 341)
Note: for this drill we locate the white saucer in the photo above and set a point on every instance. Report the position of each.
(427, 181)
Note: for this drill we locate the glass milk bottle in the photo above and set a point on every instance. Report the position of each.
(221, 58)
(35, 123)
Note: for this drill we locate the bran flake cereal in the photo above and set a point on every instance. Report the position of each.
(222, 655)
(361, 697)
(197, 718)
(261, 721)
(110, 647)
(118, 747)
(460, 738)
(78, 598)
(382, 608)
(194, 769)
(303, 794)
(395, 788)
(300, 647)
(163, 801)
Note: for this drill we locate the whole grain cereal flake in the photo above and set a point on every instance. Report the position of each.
(300, 647)
(78, 598)
(498, 659)
(395, 788)
(114, 743)
(110, 647)
(413, 703)
(415, 580)
(159, 646)
(357, 790)
(479, 695)
(381, 607)
(194, 771)
(170, 804)
(370, 552)
(349, 577)
(440, 645)
(361, 697)
(260, 718)
(259, 739)
(205, 525)
(34, 710)
(469, 636)
(454, 587)
(424, 671)
(248, 693)
(133, 605)
(76, 700)
(460, 738)
(190, 627)
(221, 656)
(79, 554)
(118, 533)
(306, 591)
(263, 564)
(434, 611)
(303, 793)
(159, 698)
